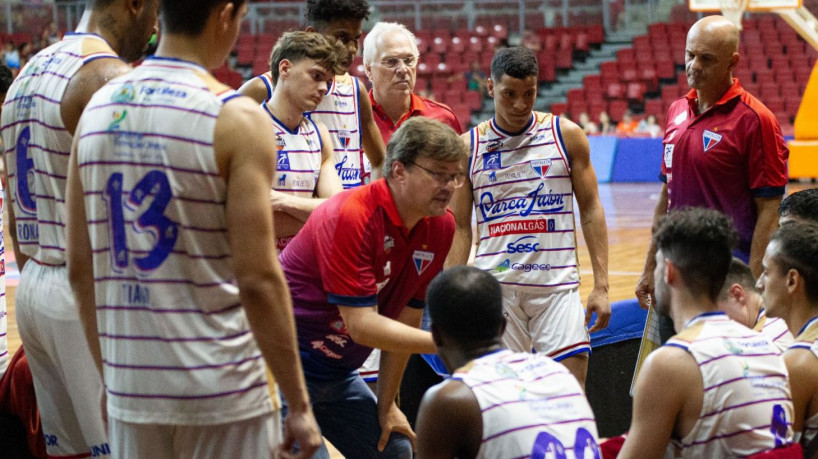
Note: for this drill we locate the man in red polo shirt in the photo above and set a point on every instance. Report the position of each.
(391, 59)
(358, 272)
(723, 149)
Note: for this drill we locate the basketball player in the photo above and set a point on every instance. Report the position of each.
(304, 65)
(357, 144)
(716, 389)
(526, 168)
(172, 254)
(741, 301)
(789, 285)
(38, 121)
(799, 206)
(498, 403)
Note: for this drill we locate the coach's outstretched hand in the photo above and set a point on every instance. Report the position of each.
(395, 421)
(299, 428)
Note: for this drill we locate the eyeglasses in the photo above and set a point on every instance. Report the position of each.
(393, 62)
(442, 177)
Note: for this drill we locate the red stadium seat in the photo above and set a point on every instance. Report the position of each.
(473, 99)
(615, 91)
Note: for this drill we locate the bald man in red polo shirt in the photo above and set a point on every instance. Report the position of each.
(723, 149)
(391, 59)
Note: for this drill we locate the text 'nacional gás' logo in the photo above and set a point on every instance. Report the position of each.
(541, 166)
(539, 225)
(283, 162)
(492, 161)
(710, 139)
(422, 260)
(533, 203)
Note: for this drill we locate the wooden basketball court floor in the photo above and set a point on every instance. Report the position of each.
(628, 211)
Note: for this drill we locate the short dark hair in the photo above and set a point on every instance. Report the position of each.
(517, 62)
(798, 250)
(466, 304)
(299, 45)
(699, 242)
(421, 137)
(738, 273)
(5, 78)
(188, 17)
(319, 13)
(801, 204)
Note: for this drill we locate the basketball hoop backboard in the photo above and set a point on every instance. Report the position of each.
(754, 5)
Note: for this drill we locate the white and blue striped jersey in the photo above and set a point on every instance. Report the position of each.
(746, 404)
(808, 339)
(774, 328)
(298, 161)
(524, 201)
(340, 112)
(531, 405)
(176, 344)
(37, 143)
(4, 345)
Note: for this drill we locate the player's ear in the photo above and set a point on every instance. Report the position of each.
(284, 69)
(490, 86)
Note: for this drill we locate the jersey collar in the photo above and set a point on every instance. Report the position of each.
(387, 201)
(735, 90)
(416, 104)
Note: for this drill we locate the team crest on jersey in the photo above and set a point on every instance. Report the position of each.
(283, 162)
(422, 260)
(492, 161)
(344, 137)
(126, 93)
(710, 139)
(541, 166)
(493, 145)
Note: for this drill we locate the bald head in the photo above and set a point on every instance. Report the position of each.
(711, 54)
(719, 30)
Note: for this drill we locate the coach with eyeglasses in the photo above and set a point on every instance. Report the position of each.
(358, 272)
(391, 61)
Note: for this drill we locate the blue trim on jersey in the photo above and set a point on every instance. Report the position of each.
(705, 314)
(767, 191)
(806, 325)
(318, 133)
(230, 97)
(514, 134)
(354, 301)
(357, 90)
(268, 85)
(280, 123)
(582, 350)
(680, 346)
(174, 59)
(108, 56)
(559, 139)
(415, 303)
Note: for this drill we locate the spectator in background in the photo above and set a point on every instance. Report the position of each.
(531, 40)
(12, 57)
(50, 35)
(25, 51)
(588, 126)
(650, 127)
(627, 125)
(606, 126)
(475, 79)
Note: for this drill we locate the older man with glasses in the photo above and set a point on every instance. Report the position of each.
(391, 59)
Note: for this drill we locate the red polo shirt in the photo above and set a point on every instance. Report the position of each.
(723, 158)
(355, 251)
(418, 106)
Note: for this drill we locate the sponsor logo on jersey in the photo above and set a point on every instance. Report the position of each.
(710, 139)
(344, 137)
(162, 92)
(539, 225)
(124, 94)
(387, 269)
(493, 177)
(282, 180)
(388, 243)
(422, 260)
(118, 118)
(493, 145)
(540, 166)
(537, 138)
(504, 266)
(340, 103)
(347, 174)
(283, 162)
(533, 203)
(525, 267)
(492, 161)
(526, 244)
(338, 326)
(280, 142)
(668, 156)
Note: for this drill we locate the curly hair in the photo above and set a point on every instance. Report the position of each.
(321, 12)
